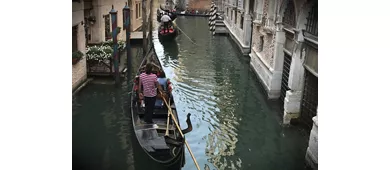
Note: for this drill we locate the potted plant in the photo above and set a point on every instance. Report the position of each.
(76, 57)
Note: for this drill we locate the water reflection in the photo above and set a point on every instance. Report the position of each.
(171, 49)
(234, 124)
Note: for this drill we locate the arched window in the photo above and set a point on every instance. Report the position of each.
(289, 15)
(312, 21)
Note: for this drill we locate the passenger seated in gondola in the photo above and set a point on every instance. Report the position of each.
(166, 19)
(163, 81)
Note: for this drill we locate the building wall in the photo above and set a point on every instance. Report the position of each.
(268, 62)
(312, 150)
(79, 70)
(264, 44)
(136, 23)
(103, 7)
(240, 34)
(200, 5)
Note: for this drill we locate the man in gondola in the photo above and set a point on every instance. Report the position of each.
(165, 19)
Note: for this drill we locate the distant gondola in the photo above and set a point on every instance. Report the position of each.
(172, 15)
(169, 34)
(153, 146)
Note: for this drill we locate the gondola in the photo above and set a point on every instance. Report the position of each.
(154, 147)
(172, 15)
(168, 35)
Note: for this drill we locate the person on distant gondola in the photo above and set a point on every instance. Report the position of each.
(166, 19)
(149, 82)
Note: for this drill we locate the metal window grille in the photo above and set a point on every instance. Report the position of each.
(285, 77)
(74, 38)
(289, 15)
(309, 99)
(107, 26)
(312, 21)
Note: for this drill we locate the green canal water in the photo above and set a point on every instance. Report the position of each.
(234, 125)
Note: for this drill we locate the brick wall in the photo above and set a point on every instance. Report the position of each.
(200, 5)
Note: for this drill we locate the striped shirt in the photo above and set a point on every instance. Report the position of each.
(148, 83)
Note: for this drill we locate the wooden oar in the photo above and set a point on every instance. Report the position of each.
(167, 131)
(181, 133)
(186, 35)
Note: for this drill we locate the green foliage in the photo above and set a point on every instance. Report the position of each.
(77, 55)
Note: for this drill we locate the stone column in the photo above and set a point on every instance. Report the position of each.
(277, 66)
(292, 102)
(97, 29)
(312, 150)
(247, 25)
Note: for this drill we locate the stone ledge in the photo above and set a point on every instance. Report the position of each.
(264, 75)
(244, 49)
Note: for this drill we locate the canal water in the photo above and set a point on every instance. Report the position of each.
(234, 125)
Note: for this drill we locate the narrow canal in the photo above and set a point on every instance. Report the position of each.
(235, 126)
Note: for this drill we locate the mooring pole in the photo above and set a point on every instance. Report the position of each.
(126, 25)
(150, 22)
(114, 38)
(144, 40)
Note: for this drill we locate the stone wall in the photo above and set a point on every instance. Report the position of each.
(239, 33)
(312, 150)
(79, 70)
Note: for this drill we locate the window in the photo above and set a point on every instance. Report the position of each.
(235, 16)
(74, 38)
(312, 21)
(231, 14)
(289, 15)
(227, 12)
(107, 24)
(242, 21)
(139, 10)
(136, 11)
(261, 44)
(251, 6)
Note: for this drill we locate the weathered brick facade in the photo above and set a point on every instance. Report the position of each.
(200, 5)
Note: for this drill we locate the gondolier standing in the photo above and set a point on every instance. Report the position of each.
(149, 82)
(165, 19)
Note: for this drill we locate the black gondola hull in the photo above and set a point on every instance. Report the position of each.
(158, 159)
(142, 160)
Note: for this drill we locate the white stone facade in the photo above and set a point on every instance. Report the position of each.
(266, 44)
(238, 22)
(272, 39)
(312, 150)
(276, 35)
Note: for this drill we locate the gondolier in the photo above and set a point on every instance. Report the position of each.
(165, 19)
(149, 82)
